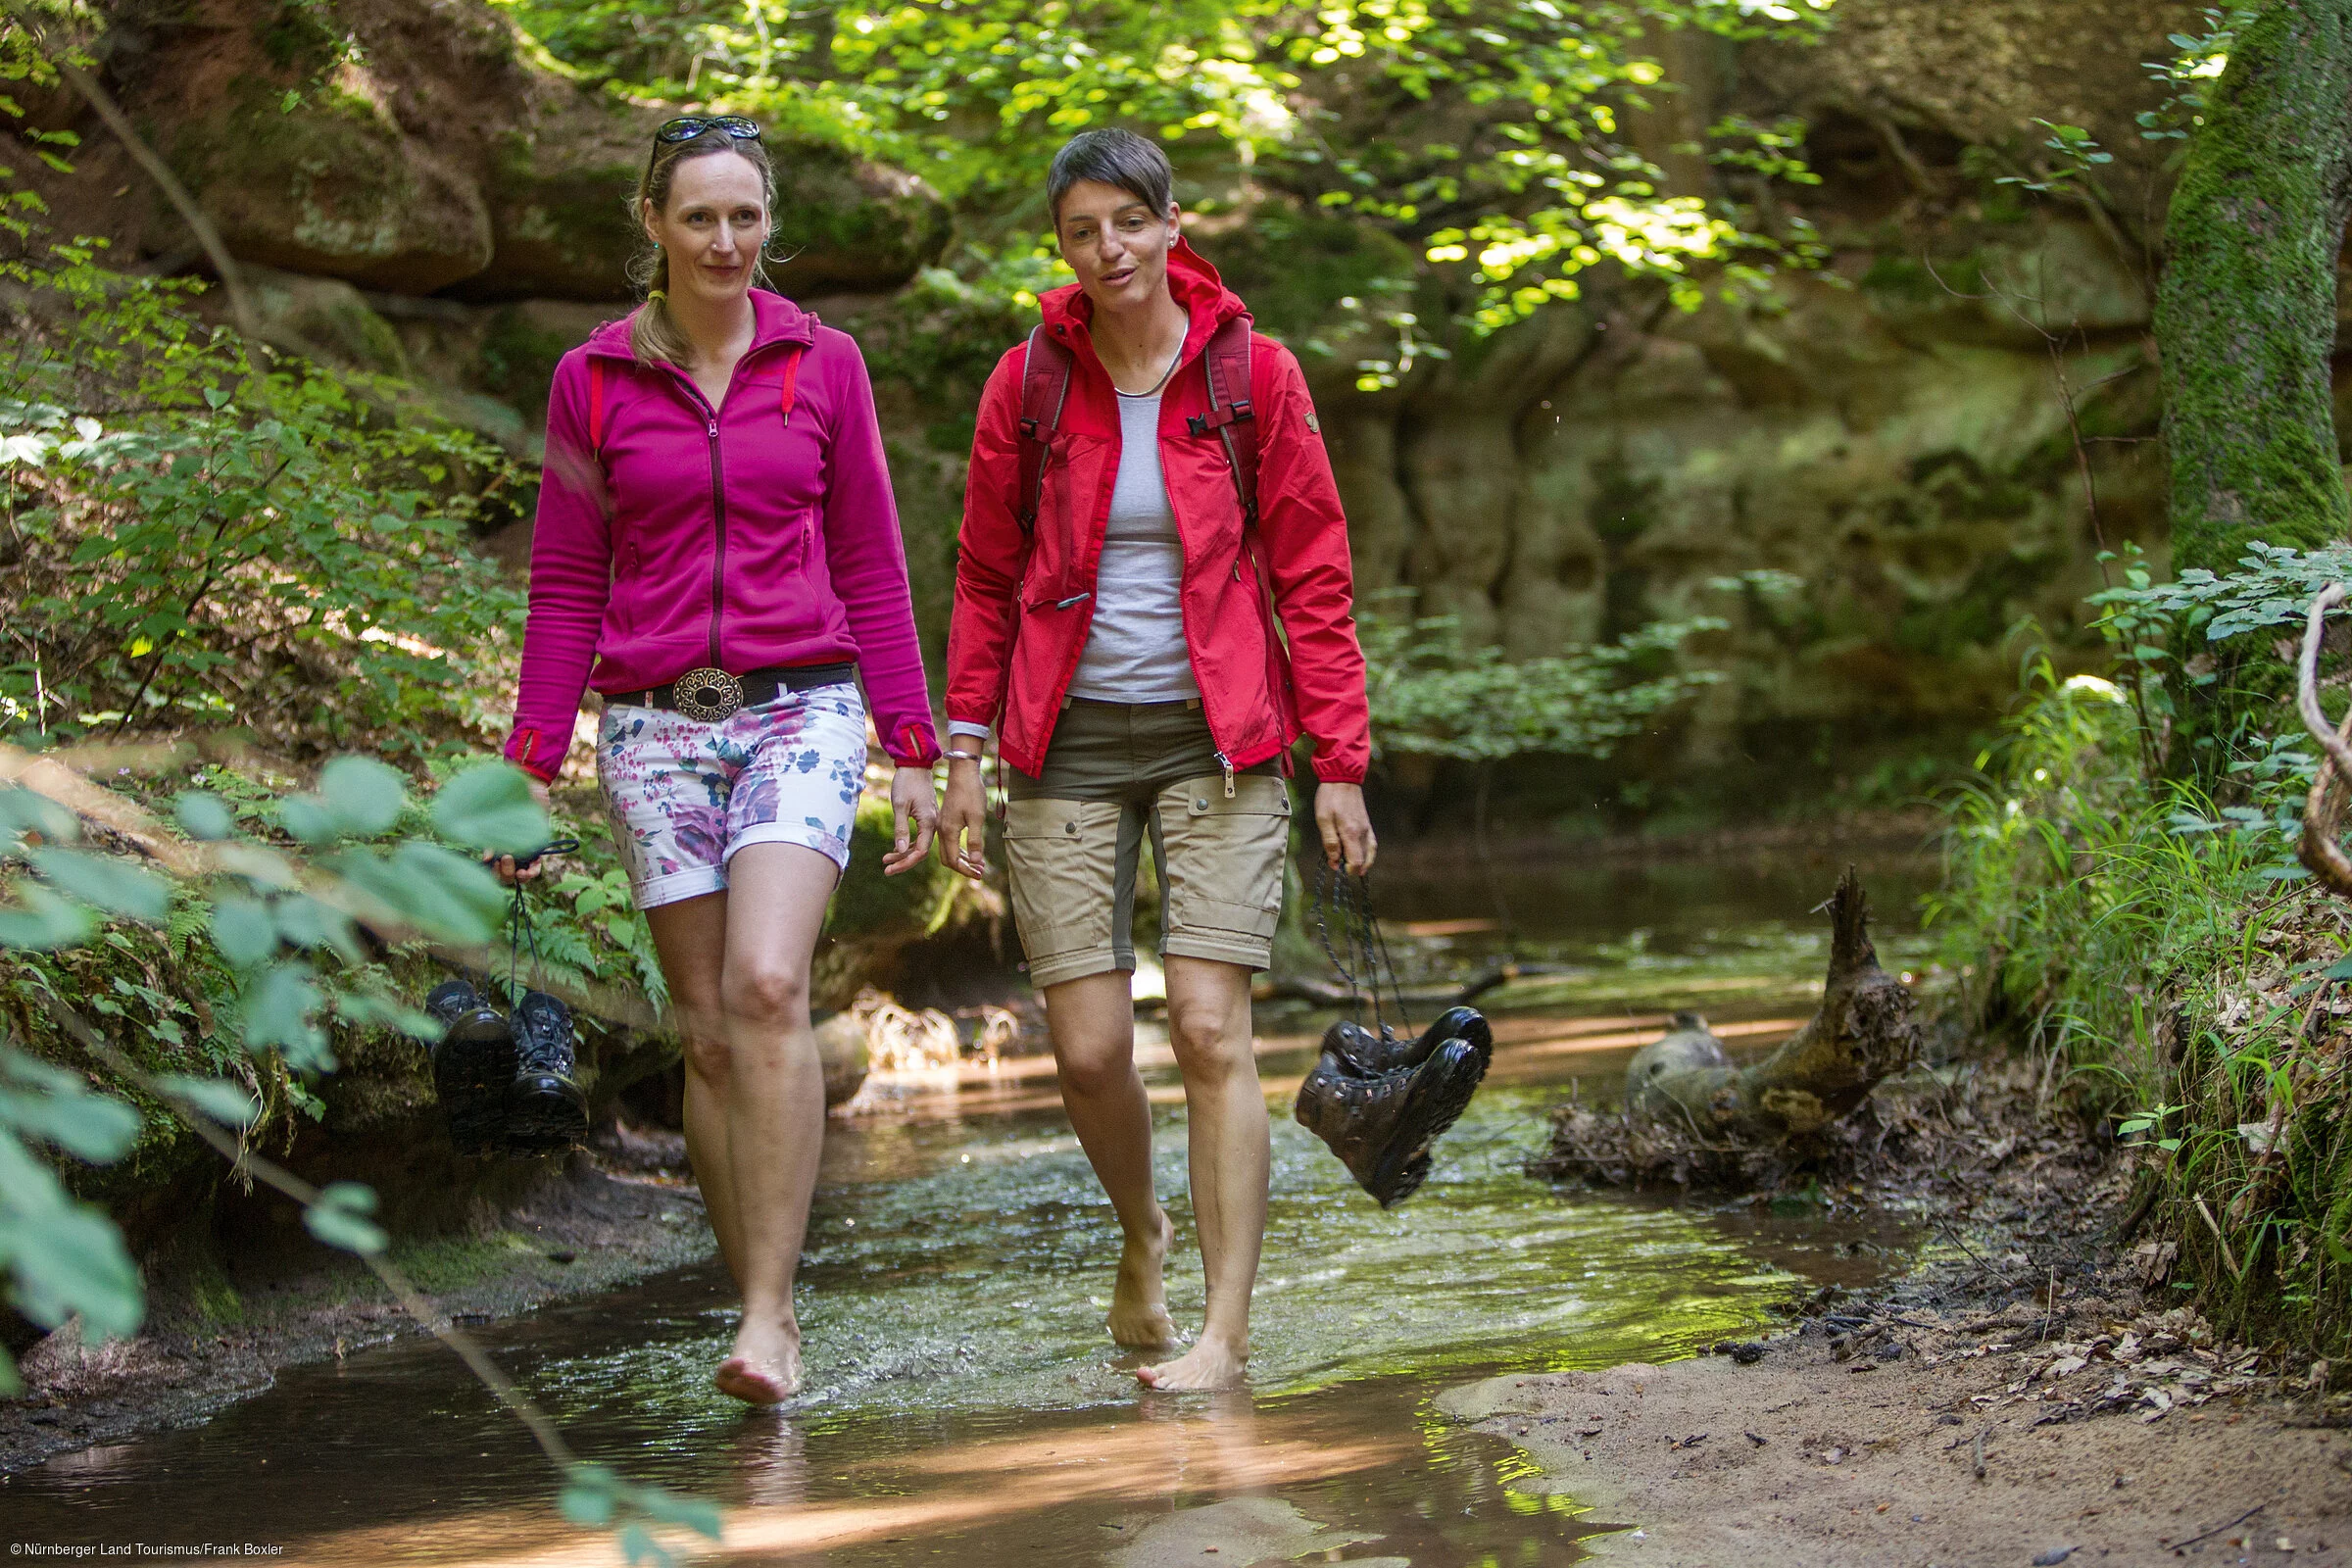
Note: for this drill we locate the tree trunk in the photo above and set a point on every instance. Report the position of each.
(2245, 312)
(1863, 1031)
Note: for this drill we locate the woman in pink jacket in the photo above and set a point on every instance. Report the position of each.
(716, 551)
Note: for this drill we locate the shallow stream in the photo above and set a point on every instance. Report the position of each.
(964, 1406)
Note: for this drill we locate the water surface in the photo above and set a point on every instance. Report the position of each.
(962, 1401)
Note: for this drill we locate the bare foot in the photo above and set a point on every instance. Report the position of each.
(766, 1368)
(1139, 1304)
(1213, 1364)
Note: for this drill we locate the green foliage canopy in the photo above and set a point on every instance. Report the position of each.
(1488, 134)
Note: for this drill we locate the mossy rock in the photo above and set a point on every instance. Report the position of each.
(330, 187)
(845, 222)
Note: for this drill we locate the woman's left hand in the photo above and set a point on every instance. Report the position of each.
(914, 806)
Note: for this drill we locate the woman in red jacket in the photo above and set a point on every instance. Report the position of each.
(716, 552)
(1115, 621)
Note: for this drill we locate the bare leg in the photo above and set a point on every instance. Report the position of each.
(690, 937)
(1229, 1145)
(1092, 1024)
(775, 1108)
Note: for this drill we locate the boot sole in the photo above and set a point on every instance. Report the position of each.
(470, 1077)
(1441, 1093)
(545, 1112)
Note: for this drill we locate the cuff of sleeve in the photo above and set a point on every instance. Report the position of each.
(1339, 773)
(914, 746)
(962, 726)
(523, 749)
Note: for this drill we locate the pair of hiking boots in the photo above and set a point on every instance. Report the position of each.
(1380, 1100)
(507, 1082)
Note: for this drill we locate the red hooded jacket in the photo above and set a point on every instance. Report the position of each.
(1024, 604)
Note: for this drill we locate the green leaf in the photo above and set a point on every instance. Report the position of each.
(43, 920)
(46, 1102)
(24, 810)
(308, 820)
(492, 808)
(105, 881)
(216, 1098)
(388, 1013)
(277, 1007)
(339, 1219)
(365, 796)
(589, 1507)
(308, 923)
(204, 816)
(66, 1256)
(244, 931)
(698, 1514)
(637, 1544)
(444, 893)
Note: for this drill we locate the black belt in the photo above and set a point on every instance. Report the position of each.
(711, 695)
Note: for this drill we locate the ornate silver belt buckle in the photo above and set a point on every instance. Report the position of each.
(707, 695)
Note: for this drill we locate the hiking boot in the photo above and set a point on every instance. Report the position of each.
(473, 1065)
(1382, 1126)
(1367, 1055)
(546, 1108)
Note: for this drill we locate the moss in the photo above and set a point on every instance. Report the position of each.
(2247, 328)
(454, 1263)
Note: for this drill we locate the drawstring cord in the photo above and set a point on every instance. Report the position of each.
(520, 928)
(1367, 958)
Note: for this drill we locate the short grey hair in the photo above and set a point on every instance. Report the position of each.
(1110, 155)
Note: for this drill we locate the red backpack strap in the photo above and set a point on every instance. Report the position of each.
(596, 406)
(1230, 413)
(792, 377)
(1044, 388)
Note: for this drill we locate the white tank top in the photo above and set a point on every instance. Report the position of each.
(1135, 650)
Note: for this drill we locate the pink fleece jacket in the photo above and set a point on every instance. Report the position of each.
(674, 537)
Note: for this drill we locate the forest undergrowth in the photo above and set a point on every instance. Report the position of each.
(2123, 899)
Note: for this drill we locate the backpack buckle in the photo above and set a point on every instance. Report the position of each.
(1218, 418)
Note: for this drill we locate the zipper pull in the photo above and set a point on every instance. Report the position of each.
(1237, 569)
(1226, 763)
(713, 429)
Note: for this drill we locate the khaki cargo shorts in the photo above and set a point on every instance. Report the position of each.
(1073, 858)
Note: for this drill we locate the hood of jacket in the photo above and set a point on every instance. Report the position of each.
(1208, 303)
(775, 320)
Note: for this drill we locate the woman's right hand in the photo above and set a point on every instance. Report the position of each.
(504, 865)
(964, 818)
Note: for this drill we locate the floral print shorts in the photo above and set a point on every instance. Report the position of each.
(685, 795)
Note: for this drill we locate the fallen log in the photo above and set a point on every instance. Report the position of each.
(1328, 994)
(1862, 1032)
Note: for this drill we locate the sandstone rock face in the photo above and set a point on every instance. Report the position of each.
(1895, 446)
(416, 150)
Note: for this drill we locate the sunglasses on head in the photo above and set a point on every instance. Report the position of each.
(688, 126)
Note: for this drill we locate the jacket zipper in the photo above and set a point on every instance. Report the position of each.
(718, 556)
(1226, 763)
